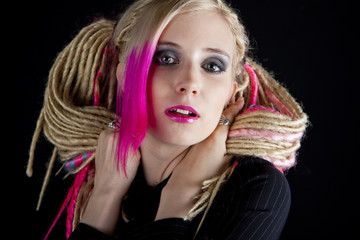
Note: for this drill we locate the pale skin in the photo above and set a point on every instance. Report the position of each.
(193, 67)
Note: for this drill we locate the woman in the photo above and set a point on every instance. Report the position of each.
(201, 132)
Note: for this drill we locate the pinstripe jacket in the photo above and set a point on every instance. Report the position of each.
(253, 204)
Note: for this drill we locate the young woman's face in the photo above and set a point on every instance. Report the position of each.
(191, 78)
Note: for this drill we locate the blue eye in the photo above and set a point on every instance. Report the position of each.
(165, 58)
(213, 66)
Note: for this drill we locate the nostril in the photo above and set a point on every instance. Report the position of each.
(183, 90)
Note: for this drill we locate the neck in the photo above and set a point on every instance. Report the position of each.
(159, 158)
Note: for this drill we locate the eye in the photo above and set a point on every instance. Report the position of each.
(213, 66)
(165, 58)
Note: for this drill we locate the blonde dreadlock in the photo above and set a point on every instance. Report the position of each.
(68, 118)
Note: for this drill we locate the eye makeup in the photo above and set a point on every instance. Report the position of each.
(166, 56)
(215, 64)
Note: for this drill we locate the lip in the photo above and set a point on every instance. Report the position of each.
(176, 117)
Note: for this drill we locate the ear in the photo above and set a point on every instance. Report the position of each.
(232, 93)
(233, 90)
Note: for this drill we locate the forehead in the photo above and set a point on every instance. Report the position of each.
(200, 29)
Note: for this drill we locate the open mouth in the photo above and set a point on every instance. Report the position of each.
(182, 114)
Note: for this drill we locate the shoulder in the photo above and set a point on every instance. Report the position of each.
(263, 184)
(253, 203)
(254, 166)
(252, 171)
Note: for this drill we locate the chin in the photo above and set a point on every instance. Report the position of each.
(182, 141)
(179, 137)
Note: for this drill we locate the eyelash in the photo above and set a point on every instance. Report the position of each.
(213, 63)
(158, 58)
(173, 59)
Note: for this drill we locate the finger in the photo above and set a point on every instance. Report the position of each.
(232, 100)
(230, 113)
(234, 109)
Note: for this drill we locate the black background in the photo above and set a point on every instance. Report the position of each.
(307, 44)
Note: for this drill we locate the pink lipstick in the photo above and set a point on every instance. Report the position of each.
(182, 114)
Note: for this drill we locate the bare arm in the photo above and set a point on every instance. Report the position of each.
(110, 186)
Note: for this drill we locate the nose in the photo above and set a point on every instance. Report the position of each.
(188, 82)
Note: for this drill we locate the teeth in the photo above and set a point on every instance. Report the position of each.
(185, 112)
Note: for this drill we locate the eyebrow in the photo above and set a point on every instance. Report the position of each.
(218, 51)
(212, 50)
(169, 44)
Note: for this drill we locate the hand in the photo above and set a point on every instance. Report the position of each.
(203, 161)
(110, 185)
(108, 176)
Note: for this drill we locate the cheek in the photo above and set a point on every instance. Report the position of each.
(217, 100)
(157, 90)
(218, 95)
(150, 97)
(216, 103)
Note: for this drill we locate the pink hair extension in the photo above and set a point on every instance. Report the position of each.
(131, 103)
(253, 82)
(96, 85)
(79, 179)
(279, 105)
(97, 90)
(63, 206)
(254, 92)
(266, 134)
(77, 161)
(71, 197)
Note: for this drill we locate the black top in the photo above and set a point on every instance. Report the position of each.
(252, 204)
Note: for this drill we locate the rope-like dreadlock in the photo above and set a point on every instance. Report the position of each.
(68, 118)
(76, 110)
